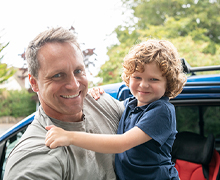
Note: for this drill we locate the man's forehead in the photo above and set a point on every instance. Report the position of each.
(52, 45)
(58, 54)
(51, 49)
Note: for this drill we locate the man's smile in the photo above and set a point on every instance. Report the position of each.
(70, 96)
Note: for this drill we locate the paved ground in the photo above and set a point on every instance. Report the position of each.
(5, 127)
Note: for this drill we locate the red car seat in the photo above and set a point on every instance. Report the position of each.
(195, 157)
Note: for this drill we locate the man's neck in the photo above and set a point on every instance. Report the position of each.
(64, 117)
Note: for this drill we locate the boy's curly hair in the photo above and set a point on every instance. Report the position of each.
(165, 55)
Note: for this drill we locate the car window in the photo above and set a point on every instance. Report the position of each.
(211, 116)
(10, 144)
(202, 120)
(187, 118)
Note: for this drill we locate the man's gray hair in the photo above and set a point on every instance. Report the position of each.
(58, 34)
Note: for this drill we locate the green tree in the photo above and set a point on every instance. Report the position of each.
(200, 14)
(192, 26)
(5, 72)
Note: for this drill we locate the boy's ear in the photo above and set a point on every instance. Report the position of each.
(33, 83)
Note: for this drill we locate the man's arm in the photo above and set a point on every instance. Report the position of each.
(101, 143)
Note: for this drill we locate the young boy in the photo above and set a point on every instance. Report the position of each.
(147, 129)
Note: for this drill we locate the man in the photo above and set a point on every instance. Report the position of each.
(57, 75)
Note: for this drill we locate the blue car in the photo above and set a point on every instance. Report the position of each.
(197, 109)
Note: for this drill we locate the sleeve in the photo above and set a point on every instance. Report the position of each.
(156, 122)
(34, 166)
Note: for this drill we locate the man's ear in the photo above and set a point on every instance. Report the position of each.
(33, 83)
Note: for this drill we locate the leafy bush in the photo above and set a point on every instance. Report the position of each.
(16, 103)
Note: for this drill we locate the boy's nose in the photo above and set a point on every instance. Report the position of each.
(144, 84)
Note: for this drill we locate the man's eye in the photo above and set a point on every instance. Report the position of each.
(57, 75)
(136, 77)
(78, 71)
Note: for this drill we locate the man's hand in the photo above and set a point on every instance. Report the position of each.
(57, 137)
(95, 92)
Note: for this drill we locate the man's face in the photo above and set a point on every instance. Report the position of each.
(61, 84)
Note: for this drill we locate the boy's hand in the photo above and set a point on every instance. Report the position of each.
(95, 92)
(56, 137)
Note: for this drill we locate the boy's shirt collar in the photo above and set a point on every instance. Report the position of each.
(132, 102)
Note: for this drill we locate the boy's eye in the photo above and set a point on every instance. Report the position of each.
(154, 79)
(136, 77)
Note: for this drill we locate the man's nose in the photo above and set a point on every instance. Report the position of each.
(72, 82)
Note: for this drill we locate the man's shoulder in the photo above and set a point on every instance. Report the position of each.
(105, 99)
(106, 108)
(33, 141)
(34, 161)
(31, 150)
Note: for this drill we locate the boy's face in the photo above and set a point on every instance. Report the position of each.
(148, 86)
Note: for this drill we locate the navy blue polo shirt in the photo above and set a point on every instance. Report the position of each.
(152, 159)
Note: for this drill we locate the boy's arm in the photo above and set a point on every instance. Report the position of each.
(101, 143)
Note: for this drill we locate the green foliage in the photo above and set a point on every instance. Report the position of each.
(201, 14)
(1, 48)
(5, 72)
(192, 51)
(210, 48)
(192, 26)
(111, 71)
(123, 33)
(16, 103)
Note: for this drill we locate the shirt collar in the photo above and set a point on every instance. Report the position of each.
(133, 102)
